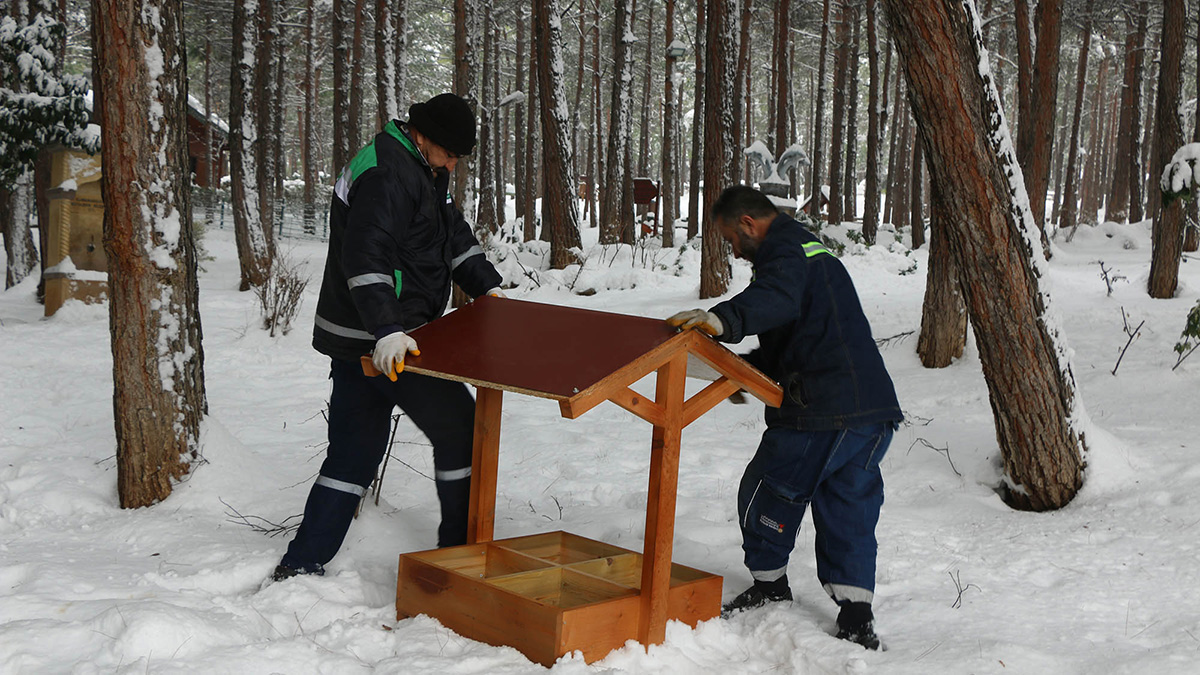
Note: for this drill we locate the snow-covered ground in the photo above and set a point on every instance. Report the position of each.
(1110, 584)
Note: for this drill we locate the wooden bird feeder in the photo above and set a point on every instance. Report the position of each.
(550, 594)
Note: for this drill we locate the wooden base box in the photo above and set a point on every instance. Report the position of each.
(546, 595)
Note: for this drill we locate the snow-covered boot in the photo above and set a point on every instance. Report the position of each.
(856, 623)
(761, 593)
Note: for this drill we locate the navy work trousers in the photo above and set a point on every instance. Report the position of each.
(360, 415)
(838, 473)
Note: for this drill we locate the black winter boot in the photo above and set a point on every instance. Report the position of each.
(761, 593)
(856, 623)
(284, 572)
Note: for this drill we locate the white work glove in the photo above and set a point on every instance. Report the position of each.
(698, 318)
(496, 293)
(390, 351)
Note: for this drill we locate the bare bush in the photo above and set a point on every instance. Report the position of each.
(280, 297)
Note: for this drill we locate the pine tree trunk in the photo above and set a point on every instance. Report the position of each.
(899, 112)
(850, 191)
(595, 151)
(916, 198)
(520, 181)
(670, 198)
(698, 114)
(158, 360)
(1043, 102)
(876, 110)
(1127, 154)
(1191, 236)
(1093, 183)
(344, 137)
(560, 206)
(487, 220)
(1169, 223)
(944, 313)
(616, 212)
(818, 159)
(1069, 212)
(643, 163)
(837, 140)
(387, 108)
(16, 210)
(400, 22)
(995, 243)
(720, 139)
(354, 135)
(253, 246)
(266, 98)
(309, 141)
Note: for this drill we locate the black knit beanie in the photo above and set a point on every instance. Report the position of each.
(447, 120)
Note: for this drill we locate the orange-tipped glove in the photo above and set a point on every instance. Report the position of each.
(496, 293)
(698, 318)
(390, 351)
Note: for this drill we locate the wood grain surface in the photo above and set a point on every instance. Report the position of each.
(533, 348)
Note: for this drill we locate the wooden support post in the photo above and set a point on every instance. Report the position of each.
(485, 455)
(660, 501)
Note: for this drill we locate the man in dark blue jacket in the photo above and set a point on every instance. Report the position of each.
(824, 443)
(396, 241)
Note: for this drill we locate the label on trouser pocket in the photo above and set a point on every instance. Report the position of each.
(769, 528)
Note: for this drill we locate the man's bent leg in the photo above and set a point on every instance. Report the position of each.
(774, 492)
(359, 421)
(845, 512)
(445, 412)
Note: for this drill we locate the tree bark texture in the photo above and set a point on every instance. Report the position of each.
(344, 146)
(253, 244)
(268, 105)
(697, 159)
(560, 204)
(1070, 212)
(850, 191)
(875, 113)
(944, 312)
(16, 210)
(916, 191)
(1043, 97)
(1092, 189)
(1127, 152)
(818, 158)
(670, 198)
(994, 241)
(1169, 221)
(837, 135)
(158, 369)
(720, 139)
(616, 212)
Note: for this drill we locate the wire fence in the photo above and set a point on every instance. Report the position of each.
(289, 215)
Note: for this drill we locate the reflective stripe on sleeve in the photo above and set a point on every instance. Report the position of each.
(813, 248)
(370, 278)
(331, 327)
(462, 257)
(341, 486)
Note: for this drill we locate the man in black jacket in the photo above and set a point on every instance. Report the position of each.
(824, 443)
(396, 241)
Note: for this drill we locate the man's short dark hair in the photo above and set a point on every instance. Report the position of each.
(741, 200)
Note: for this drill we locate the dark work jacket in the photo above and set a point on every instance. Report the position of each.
(813, 336)
(395, 242)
